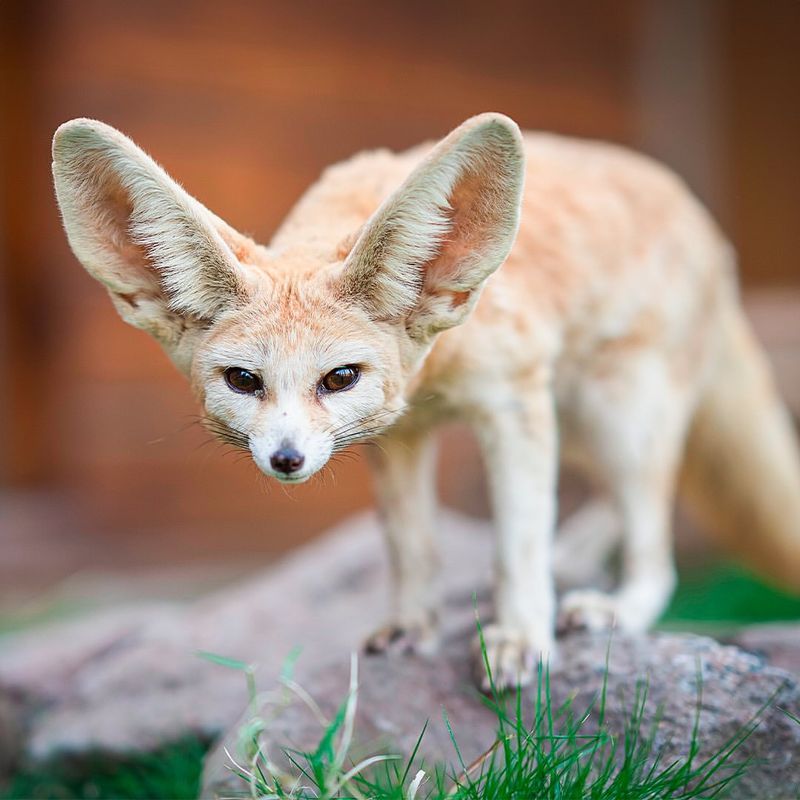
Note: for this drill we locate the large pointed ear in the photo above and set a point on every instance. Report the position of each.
(424, 255)
(167, 262)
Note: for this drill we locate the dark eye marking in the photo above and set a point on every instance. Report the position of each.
(339, 379)
(243, 381)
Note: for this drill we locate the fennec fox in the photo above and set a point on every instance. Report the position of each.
(611, 336)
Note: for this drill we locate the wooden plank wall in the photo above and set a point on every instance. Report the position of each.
(245, 102)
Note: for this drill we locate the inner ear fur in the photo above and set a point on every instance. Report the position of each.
(426, 252)
(164, 258)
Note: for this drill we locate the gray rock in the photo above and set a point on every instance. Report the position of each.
(131, 680)
(398, 694)
(778, 644)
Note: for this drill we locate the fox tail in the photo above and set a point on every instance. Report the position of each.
(741, 473)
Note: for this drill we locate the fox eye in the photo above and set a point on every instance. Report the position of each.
(243, 381)
(340, 378)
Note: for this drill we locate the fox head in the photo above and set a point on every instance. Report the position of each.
(295, 352)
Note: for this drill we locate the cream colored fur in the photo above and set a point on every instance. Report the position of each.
(610, 333)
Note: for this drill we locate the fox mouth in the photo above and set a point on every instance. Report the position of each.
(291, 479)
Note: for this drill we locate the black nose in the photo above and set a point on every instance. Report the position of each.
(286, 460)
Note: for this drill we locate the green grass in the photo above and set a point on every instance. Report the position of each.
(560, 753)
(172, 773)
(728, 595)
(721, 597)
(563, 753)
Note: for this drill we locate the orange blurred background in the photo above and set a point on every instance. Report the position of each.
(244, 103)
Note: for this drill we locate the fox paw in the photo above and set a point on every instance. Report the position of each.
(587, 610)
(512, 659)
(401, 637)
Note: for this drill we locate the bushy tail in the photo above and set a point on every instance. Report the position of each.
(741, 474)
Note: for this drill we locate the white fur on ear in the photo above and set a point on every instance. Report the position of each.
(425, 253)
(155, 248)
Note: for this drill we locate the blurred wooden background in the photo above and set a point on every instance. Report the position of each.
(244, 103)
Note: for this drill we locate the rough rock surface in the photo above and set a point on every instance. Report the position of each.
(778, 644)
(132, 680)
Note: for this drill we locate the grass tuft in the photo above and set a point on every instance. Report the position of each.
(559, 753)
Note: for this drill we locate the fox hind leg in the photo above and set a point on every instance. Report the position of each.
(637, 424)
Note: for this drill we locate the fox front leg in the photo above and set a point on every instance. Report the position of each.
(405, 477)
(518, 438)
